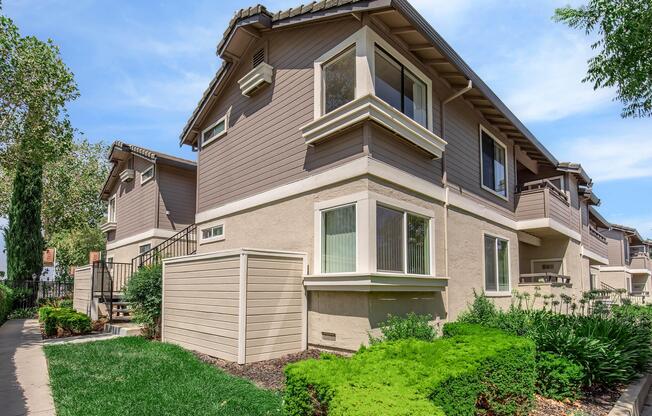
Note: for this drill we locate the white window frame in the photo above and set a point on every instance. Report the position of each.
(497, 292)
(211, 139)
(357, 234)
(144, 244)
(481, 130)
(365, 41)
(365, 202)
(111, 214)
(219, 237)
(142, 175)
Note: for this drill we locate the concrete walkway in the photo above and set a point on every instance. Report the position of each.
(24, 381)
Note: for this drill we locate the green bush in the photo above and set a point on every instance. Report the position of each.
(412, 326)
(65, 303)
(23, 313)
(477, 370)
(64, 319)
(6, 302)
(144, 292)
(558, 377)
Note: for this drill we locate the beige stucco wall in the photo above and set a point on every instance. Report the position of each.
(126, 253)
(613, 278)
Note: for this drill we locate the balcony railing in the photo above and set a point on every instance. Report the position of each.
(545, 278)
(636, 251)
(542, 199)
(597, 242)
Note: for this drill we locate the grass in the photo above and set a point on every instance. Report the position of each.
(133, 376)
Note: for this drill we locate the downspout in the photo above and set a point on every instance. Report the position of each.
(445, 175)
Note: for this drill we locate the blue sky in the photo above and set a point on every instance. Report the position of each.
(142, 66)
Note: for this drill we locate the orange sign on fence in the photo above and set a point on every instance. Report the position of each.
(48, 257)
(93, 256)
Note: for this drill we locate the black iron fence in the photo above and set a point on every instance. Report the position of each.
(31, 293)
(182, 243)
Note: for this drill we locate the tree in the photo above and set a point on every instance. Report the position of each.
(624, 45)
(35, 86)
(23, 239)
(73, 246)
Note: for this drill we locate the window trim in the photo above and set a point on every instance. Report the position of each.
(142, 174)
(319, 236)
(111, 214)
(225, 119)
(497, 292)
(331, 60)
(144, 244)
(220, 237)
(364, 41)
(481, 130)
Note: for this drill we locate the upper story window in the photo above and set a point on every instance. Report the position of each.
(339, 80)
(214, 131)
(365, 64)
(147, 174)
(494, 164)
(399, 88)
(111, 210)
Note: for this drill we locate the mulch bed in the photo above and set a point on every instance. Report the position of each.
(269, 375)
(597, 402)
(265, 374)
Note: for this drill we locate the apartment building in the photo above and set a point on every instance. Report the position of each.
(351, 165)
(150, 198)
(629, 265)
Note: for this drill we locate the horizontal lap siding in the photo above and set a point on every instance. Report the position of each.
(135, 203)
(263, 147)
(530, 206)
(558, 210)
(201, 305)
(177, 196)
(82, 290)
(274, 323)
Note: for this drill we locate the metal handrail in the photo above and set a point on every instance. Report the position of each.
(108, 274)
(182, 243)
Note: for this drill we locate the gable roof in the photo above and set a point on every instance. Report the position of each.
(257, 18)
(119, 149)
(630, 231)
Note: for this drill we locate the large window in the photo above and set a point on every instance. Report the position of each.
(339, 80)
(402, 242)
(338, 240)
(494, 174)
(496, 264)
(399, 88)
(111, 210)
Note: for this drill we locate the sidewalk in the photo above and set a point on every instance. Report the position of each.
(24, 381)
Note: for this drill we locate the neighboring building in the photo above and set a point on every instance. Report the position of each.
(150, 198)
(373, 172)
(630, 265)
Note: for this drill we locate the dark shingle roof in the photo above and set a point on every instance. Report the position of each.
(152, 155)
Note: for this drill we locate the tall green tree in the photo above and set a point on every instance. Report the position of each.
(624, 49)
(35, 86)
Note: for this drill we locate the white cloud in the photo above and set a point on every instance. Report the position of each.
(612, 157)
(542, 81)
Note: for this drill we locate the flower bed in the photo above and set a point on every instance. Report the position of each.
(471, 369)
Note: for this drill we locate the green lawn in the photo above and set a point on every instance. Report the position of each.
(133, 376)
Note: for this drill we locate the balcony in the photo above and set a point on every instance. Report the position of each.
(541, 207)
(109, 226)
(544, 283)
(597, 243)
(640, 262)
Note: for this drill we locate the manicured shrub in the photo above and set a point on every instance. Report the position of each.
(477, 371)
(144, 292)
(412, 326)
(65, 303)
(6, 302)
(23, 313)
(65, 320)
(558, 377)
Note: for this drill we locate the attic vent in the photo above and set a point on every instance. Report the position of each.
(259, 57)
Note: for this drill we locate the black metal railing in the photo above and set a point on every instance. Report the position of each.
(32, 293)
(182, 243)
(109, 279)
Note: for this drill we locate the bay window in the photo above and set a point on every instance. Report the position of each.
(493, 161)
(338, 239)
(339, 80)
(496, 264)
(402, 242)
(398, 87)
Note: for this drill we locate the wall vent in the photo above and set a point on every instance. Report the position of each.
(328, 336)
(259, 57)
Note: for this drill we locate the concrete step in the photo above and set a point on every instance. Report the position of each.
(124, 329)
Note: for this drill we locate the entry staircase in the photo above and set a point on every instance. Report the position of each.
(109, 278)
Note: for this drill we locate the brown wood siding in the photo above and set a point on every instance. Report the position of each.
(274, 325)
(263, 147)
(530, 206)
(177, 196)
(615, 247)
(200, 305)
(135, 203)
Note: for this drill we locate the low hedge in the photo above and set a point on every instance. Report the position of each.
(6, 302)
(558, 377)
(471, 370)
(65, 320)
